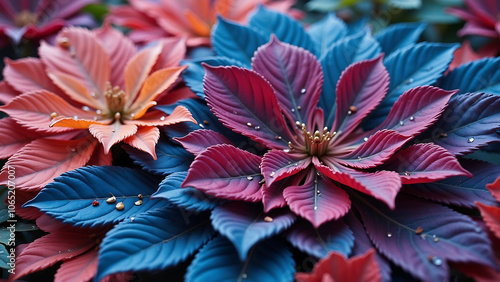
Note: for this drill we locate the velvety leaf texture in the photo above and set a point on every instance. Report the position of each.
(479, 76)
(245, 224)
(71, 196)
(399, 35)
(415, 65)
(327, 32)
(198, 141)
(268, 261)
(413, 237)
(188, 198)
(235, 41)
(469, 122)
(332, 236)
(144, 244)
(284, 27)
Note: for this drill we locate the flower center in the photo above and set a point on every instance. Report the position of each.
(25, 18)
(316, 144)
(115, 99)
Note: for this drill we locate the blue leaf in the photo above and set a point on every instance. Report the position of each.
(152, 241)
(170, 158)
(399, 35)
(188, 198)
(268, 261)
(460, 190)
(193, 75)
(469, 122)
(236, 41)
(284, 27)
(245, 224)
(479, 76)
(331, 236)
(359, 47)
(71, 196)
(421, 237)
(327, 32)
(415, 65)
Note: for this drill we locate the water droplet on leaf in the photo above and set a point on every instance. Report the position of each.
(249, 178)
(470, 140)
(389, 235)
(303, 91)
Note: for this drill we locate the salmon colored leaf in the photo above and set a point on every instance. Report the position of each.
(295, 75)
(80, 268)
(111, 134)
(13, 137)
(39, 162)
(7, 93)
(277, 164)
(35, 110)
(28, 74)
(245, 102)
(491, 216)
(318, 200)
(334, 235)
(336, 267)
(158, 118)
(227, 172)
(75, 90)
(494, 188)
(145, 139)
(174, 50)
(245, 224)
(99, 158)
(199, 140)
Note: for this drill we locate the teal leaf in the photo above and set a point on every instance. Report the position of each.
(327, 32)
(399, 35)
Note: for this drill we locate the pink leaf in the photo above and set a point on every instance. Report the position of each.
(360, 89)
(245, 102)
(272, 195)
(43, 159)
(199, 140)
(295, 75)
(7, 92)
(100, 158)
(277, 164)
(227, 172)
(13, 137)
(22, 196)
(423, 163)
(174, 50)
(80, 268)
(27, 75)
(145, 139)
(335, 267)
(111, 134)
(318, 200)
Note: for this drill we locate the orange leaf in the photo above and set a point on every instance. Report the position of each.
(27, 75)
(111, 134)
(34, 110)
(157, 118)
(13, 137)
(77, 123)
(75, 90)
(154, 85)
(39, 162)
(145, 139)
(197, 24)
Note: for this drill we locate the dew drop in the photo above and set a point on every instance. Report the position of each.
(73, 150)
(315, 208)
(244, 276)
(412, 118)
(95, 118)
(257, 127)
(401, 122)
(436, 239)
(410, 80)
(162, 118)
(235, 112)
(277, 137)
(249, 124)
(293, 110)
(249, 178)
(85, 108)
(478, 229)
(365, 139)
(75, 117)
(132, 219)
(470, 140)
(53, 115)
(303, 91)
(93, 94)
(286, 150)
(201, 125)
(100, 112)
(389, 235)
(359, 158)
(272, 174)
(268, 219)
(349, 112)
(436, 260)
(299, 107)
(318, 192)
(132, 115)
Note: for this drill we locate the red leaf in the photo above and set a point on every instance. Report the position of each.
(491, 216)
(227, 172)
(158, 118)
(336, 267)
(272, 195)
(111, 134)
(80, 268)
(199, 140)
(34, 110)
(40, 161)
(494, 188)
(423, 163)
(13, 137)
(145, 139)
(318, 200)
(360, 89)
(28, 74)
(295, 75)
(277, 164)
(245, 102)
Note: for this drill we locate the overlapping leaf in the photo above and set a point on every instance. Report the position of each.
(277, 165)
(327, 32)
(399, 35)
(81, 268)
(70, 198)
(199, 140)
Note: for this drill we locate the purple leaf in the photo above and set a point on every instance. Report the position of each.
(378, 148)
(416, 110)
(227, 172)
(199, 140)
(295, 75)
(360, 89)
(245, 224)
(421, 237)
(331, 236)
(422, 163)
(272, 195)
(318, 200)
(278, 164)
(245, 102)
(470, 122)
(460, 190)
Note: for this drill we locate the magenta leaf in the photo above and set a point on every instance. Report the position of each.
(199, 140)
(245, 224)
(422, 163)
(421, 237)
(295, 75)
(278, 164)
(318, 200)
(417, 109)
(331, 236)
(359, 90)
(227, 172)
(245, 102)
